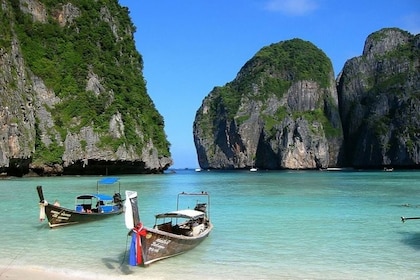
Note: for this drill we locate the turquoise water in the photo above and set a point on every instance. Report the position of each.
(268, 225)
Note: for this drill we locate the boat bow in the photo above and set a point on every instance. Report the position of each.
(174, 232)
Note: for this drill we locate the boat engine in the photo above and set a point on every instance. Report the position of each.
(201, 207)
(117, 198)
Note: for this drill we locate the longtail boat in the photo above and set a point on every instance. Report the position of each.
(173, 233)
(403, 219)
(88, 207)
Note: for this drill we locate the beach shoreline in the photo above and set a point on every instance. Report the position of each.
(39, 273)
(12, 273)
(35, 273)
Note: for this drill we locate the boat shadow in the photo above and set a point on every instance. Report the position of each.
(119, 263)
(41, 226)
(411, 239)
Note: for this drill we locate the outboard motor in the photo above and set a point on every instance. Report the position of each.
(117, 198)
(201, 207)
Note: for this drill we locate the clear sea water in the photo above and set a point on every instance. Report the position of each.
(268, 225)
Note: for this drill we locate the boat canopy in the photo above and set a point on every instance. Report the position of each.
(108, 181)
(97, 196)
(187, 214)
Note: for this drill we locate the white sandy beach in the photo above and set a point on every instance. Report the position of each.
(27, 273)
(14, 273)
(33, 274)
(36, 273)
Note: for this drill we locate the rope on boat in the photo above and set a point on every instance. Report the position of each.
(125, 252)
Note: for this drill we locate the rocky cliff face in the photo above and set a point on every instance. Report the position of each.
(74, 101)
(379, 96)
(284, 110)
(281, 111)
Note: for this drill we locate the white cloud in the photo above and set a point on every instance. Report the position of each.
(291, 7)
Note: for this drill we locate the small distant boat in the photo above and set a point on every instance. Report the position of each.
(388, 169)
(198, 170)
(403, 219)
(339, 169)
(88, 208)
(253, 169)
(174, 232)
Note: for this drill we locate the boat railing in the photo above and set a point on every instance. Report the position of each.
(200, 206)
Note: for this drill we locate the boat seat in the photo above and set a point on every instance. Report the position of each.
(87, 206)
(167, 227)
(198, 229)
(182, 230)
(105, 208)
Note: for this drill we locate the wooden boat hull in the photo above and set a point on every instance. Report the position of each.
(174, 232)
(157, 245)
(60, 216)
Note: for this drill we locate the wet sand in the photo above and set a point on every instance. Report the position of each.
(33, 274)
(37, 273)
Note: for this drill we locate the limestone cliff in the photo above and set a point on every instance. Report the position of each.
(284, 109)
(281, 111)
(72, 96)
(379, 96)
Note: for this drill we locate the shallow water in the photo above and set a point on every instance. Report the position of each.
(268, 225)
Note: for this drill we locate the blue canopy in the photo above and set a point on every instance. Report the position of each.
(108, 181)
(104, 197)
(98, 196)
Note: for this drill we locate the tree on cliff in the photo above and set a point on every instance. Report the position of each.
(79, 101)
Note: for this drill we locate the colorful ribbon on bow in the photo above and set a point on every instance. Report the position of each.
(139, 231)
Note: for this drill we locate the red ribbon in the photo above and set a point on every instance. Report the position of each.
(140, 231)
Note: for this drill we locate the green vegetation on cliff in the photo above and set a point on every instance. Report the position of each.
(98, 41)
(273, 70)
(301, 60)
(283, 100)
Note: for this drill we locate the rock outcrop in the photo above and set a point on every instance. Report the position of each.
(280, 112)
(379, 96)
(284, 109)
(72, 96)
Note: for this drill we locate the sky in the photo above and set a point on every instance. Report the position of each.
(191, 46)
